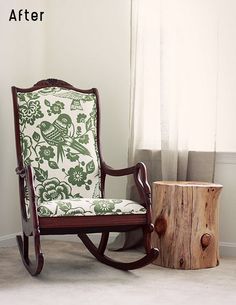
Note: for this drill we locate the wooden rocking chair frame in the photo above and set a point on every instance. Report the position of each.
(36, 226)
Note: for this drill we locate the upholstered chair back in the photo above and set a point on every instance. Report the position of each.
(58, 137)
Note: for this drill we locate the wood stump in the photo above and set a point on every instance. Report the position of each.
(186, 224)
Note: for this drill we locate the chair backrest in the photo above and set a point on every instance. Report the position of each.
(57, 133)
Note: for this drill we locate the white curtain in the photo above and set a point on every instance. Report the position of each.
(174, 81)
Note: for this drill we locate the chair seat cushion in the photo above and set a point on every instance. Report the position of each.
(89, 207)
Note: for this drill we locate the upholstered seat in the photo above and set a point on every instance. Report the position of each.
(89, 207)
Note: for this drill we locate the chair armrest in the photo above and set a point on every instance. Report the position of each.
(21, 171)
(31, 221)
(142, 177)
(139, 172)
(108, 170)
(30, 182)
(26, 173)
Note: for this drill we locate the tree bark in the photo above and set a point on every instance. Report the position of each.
(185, 217)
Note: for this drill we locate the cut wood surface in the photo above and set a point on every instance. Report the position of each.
(185, 217)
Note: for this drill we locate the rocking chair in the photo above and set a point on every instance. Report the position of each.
(62, 174)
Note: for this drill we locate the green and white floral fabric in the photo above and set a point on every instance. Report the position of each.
(59, 140)
(89, 207)
(58, 137)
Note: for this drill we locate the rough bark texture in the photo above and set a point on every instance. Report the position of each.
(185, 216)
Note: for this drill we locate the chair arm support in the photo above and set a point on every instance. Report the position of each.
(26, 173)
(32, 199)
(143, 178)
(30, 182)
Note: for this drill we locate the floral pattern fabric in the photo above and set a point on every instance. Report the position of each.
(58, 137)
(89, 207)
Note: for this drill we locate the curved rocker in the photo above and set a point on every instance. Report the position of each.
(33, 268)
(96, 251)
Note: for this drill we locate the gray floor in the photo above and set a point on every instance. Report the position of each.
(72, 276)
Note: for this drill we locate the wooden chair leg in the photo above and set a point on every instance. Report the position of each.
(34, 268)
(147, 259)
(147, 230)
(103, 242)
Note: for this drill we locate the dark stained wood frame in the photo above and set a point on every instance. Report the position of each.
(36, 226)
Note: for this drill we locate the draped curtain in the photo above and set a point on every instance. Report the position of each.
(174, 92)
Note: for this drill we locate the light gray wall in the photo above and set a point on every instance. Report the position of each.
(83, 42)
(21, 63)
(226, 175)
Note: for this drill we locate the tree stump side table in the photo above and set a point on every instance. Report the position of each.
(186, 224)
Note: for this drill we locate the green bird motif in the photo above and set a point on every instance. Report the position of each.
(63, 123)
(56, 134)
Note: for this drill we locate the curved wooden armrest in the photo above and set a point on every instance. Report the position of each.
(30, 183)
(140, 176)
(27, 179)
(118, 172)
(21, 171)
(27, 174)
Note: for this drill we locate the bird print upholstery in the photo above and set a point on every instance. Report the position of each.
(58, 136)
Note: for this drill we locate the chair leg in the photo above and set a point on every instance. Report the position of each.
(147, 259)
(103, 242)
(147, 230)
(34, 268)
